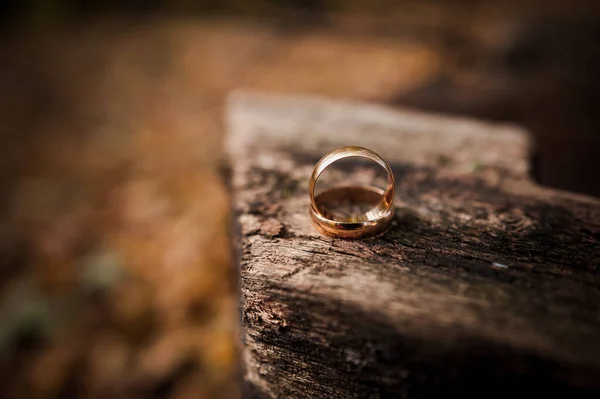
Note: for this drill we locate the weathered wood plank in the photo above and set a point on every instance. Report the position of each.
(486, 285)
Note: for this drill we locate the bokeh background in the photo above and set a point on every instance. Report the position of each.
(117, 271)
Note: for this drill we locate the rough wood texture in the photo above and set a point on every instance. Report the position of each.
(486, 285)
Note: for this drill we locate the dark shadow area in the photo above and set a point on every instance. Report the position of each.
(285, 15)
(539, 72)
(360, 355)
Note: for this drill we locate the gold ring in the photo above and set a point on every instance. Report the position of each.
(373, 222)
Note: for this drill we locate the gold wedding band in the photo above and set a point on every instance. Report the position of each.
(371, 223)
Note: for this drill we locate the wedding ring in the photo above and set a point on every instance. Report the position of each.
(368, 224)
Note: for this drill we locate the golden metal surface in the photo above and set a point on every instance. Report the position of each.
(372, 222)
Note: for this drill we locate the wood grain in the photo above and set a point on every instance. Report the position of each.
(486, 285)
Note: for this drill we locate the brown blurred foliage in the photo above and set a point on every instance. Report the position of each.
(116, 271)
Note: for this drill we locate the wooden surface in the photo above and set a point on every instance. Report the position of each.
(486, 285)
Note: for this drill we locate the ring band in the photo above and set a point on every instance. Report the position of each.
(368, 224)
(350, 229)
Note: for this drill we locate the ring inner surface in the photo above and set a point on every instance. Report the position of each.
(366, 207)
(350, 203)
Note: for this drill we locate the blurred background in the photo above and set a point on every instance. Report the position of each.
(117, 275)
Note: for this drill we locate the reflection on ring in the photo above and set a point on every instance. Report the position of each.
(362, 225)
